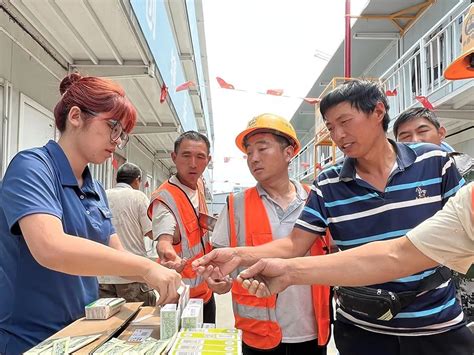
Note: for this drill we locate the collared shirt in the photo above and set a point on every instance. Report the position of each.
(163, 220)
(448, 236)
(357, 213)
(35, 301)
(130, 219)
(294, 305)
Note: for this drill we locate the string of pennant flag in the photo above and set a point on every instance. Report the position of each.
(423, 100)
(225, 85)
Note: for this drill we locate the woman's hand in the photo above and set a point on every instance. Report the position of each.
(165, 281)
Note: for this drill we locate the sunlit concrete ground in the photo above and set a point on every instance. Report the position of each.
(225, 317)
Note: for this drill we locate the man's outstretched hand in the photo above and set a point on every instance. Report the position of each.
(218, 263)
(266, 277)
(171, 260)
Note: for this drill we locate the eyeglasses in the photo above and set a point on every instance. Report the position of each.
(117, 132)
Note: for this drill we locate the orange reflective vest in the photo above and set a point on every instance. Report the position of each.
(194, 241)
(256, 317)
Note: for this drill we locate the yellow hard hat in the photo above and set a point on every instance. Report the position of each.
(462, 67)
(269, 122)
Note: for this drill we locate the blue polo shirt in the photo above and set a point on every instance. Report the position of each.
(35, 301)
(356, 213)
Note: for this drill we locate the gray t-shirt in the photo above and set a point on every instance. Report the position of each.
(294, 307)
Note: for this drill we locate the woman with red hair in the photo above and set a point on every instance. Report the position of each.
(56, 233)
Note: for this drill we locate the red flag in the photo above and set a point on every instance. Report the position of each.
(312, 100)
(164, 93)
(275, 92)
(226, 159)
(423, 100)
(223, 84)
(391, 92)
(318, 166)
(115, 163)
(185, 85)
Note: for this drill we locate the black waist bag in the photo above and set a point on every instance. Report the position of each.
(369, 302)
(381, 304)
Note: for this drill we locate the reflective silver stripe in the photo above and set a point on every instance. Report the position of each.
(257, 313)
(186, 251)
(239, 221)
(239, 218)
(194, 282)
(197, 249)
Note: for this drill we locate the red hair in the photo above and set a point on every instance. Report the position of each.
(94, 95)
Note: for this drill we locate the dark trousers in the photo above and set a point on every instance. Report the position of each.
(308, 347)
(352, 340)
(132, 292)
(209, 311)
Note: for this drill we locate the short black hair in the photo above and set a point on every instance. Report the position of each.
(194, 136)
(128, 172)
(414, 113)
(361, 94)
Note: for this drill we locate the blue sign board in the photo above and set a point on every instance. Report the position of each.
(197, 57)
(155, 25)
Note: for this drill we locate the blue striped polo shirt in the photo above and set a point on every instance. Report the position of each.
(356, 213)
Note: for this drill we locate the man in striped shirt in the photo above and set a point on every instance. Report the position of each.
(419, 124)
(380, 191)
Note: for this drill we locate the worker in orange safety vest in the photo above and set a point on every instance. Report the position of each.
(175, 210)
(299, 318)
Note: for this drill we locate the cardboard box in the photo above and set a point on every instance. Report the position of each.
(169, 317)
(190, 317)
(199, 303)
(108, 346)
(200, 349)
(210, 336)
(146, 320)
(179, 349)
(74, 343)
(158, 348)
(104, 308)
(235, 331)
(210, 333)
(181, 341)
(183, 298)
(105, 329)
(208, 341)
